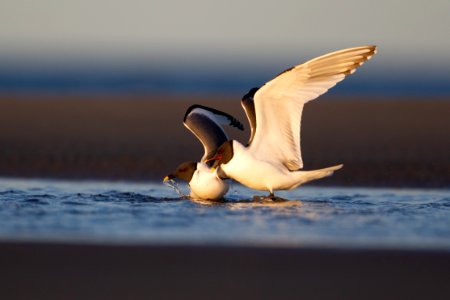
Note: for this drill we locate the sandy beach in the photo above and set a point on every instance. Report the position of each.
(380, 141)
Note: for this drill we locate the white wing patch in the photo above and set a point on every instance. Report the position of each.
(279, 103)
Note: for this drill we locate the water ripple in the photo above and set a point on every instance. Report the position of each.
(36, 200)
(152, 213)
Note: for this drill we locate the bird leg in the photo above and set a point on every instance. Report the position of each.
(275, 198)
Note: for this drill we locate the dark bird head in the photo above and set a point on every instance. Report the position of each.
(223, 154)
(184, 171)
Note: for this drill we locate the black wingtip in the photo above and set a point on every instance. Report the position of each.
(237, 124)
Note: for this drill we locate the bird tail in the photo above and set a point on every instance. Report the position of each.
(306, 176)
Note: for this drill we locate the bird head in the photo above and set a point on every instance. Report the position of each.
(184, 171)
(223, 154)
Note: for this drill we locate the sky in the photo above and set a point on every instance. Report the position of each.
(215, 36)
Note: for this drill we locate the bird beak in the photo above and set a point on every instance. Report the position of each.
(216, 157)
(216, 164)
(168, 177)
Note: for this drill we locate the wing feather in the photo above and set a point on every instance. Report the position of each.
(279, 103)
(248, 104)
(206, 124)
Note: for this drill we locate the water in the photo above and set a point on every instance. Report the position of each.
(237, 80)
(124, 213)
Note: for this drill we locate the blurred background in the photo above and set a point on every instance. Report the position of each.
(98, 89)
(216, 46)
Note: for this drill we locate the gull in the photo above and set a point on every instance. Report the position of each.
(272, 160)
(206, 124)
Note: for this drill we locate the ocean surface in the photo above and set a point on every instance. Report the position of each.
(194, 81)
(153, 213)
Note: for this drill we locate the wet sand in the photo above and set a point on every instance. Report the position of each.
(57, 271)
(390, 142)
(381, 142)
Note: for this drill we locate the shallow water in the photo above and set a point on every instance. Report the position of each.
(114, 212)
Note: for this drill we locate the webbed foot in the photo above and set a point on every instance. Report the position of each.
(277, 199)
(268, 199)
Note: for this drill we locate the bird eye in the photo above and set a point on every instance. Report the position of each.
(183, 170)
(220, 151)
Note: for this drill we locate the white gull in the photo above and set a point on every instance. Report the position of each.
(272, 159)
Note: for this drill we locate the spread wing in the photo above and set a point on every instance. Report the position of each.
(279, 103)
(248, 104)
(206, 124)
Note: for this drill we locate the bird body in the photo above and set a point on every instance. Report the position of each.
(205, 184)
(267, 175)
(205, 123)
(272, 159)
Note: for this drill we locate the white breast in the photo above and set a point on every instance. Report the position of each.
(206, 185)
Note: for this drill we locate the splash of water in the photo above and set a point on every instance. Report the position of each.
(174, 185)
